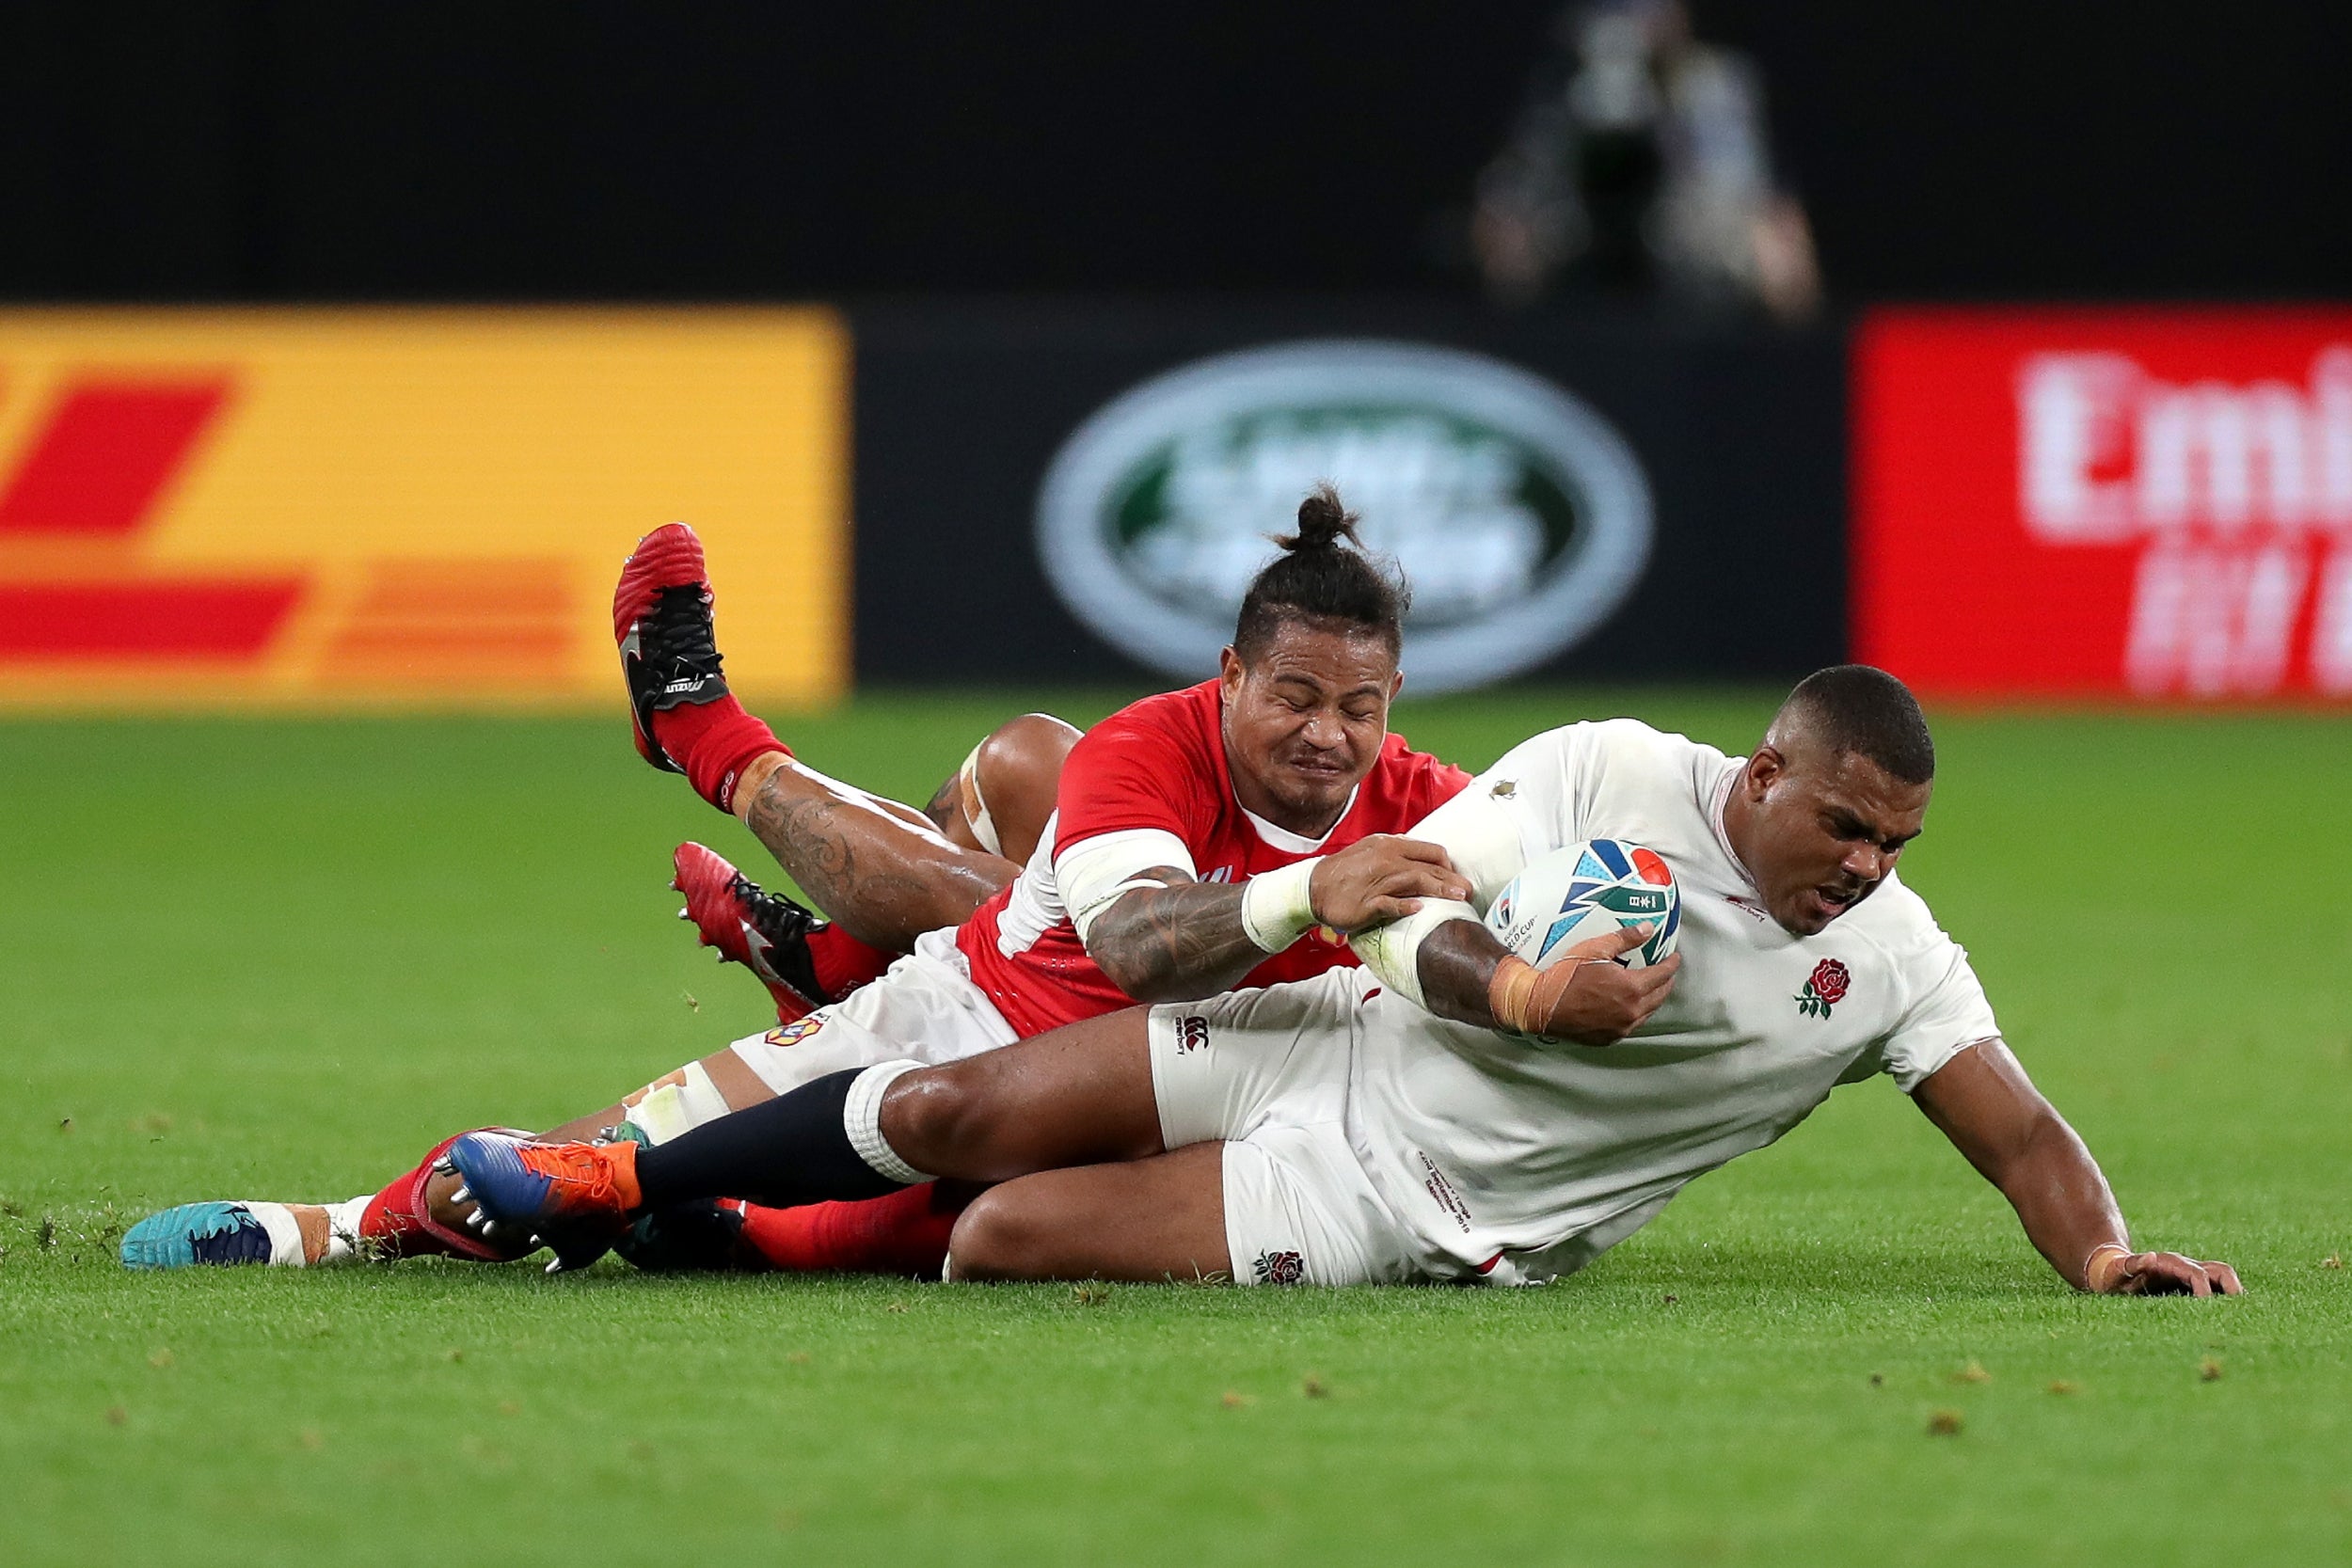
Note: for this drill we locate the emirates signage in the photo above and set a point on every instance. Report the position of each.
(2105, 502)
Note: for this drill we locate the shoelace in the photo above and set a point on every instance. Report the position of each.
(774, 916)
(679, 628)
(581, 1173)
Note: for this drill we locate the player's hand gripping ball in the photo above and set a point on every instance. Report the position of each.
(1589, 889)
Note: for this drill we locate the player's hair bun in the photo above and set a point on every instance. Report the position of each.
(1323, 522)
(1319, 578)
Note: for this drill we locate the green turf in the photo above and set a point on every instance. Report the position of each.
(250, 958)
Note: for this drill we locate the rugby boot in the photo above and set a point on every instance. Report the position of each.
(661, 620)
(765, 932)
(220, 1234)
(578, 1198)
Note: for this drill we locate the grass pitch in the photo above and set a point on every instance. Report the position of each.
(270, 959)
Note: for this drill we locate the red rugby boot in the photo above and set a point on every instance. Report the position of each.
(765, 932)
(661, 620)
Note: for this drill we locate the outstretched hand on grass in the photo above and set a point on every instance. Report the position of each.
(2169, 1273)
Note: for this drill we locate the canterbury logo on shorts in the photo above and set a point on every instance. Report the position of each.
(1192, 1034)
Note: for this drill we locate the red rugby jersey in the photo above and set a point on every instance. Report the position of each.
(1160, 764)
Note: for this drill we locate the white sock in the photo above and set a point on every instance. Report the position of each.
(342, 1229)
(285, 1230)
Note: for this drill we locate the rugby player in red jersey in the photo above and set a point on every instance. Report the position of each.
(1201, 839)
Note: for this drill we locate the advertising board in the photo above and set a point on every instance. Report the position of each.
(1081, 491)
(2143, 503)
(329, 508)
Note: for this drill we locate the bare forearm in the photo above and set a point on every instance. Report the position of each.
(1463, 973)
(2061, 1198)
(880, 879)
(1175, 943)
(1456, 966)
(1983, 1101)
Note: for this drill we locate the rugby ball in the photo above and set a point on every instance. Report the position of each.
(1586, 891)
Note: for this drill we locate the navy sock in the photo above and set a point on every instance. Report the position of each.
(795, 1148)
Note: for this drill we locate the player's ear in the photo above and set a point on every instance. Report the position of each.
(1764, 770)
(1396, 684)
(1228, 669)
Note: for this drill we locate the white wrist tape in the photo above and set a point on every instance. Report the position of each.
(1275, 908)
(1392, 952)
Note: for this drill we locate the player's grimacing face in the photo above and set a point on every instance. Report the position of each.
(1304, 720)
(1820, 832)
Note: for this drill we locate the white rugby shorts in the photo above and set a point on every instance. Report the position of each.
(926, 1010)
(1267, 1071)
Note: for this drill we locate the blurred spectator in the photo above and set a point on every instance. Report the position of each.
(1641, 165)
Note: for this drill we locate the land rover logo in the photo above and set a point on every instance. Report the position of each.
(1520, 516)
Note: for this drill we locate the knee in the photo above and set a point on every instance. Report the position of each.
(933, 1120)
(1025, 752)
(998, 1237)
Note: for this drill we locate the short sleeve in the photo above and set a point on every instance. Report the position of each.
(1545, 783)
(1947, 1014)
(1524, 805)
(1123, 777)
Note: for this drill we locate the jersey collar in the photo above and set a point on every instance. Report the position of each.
(1281, 838)
(1718, 798)
(1273, 835)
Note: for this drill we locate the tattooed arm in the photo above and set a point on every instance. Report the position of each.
(1184, 939)
(880, 870)
(1174, 943)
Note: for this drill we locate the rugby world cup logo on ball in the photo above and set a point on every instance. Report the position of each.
(1584, 891)
(1520, 516)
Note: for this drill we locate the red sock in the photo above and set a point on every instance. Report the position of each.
(905, 1233)
(843, 963)
(400, 1224)
(714, 742)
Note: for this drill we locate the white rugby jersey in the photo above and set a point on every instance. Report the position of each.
(1517, 1162)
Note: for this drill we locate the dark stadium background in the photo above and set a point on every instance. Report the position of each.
(445, 152)
(1025, 210)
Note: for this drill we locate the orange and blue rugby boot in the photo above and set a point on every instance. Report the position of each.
(577, 1198)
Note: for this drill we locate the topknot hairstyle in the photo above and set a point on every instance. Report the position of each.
(1862, 709)
(1323, 578)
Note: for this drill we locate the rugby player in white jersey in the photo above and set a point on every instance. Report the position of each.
(1398, 1122)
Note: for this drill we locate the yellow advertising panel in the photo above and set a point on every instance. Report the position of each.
(329, 508)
